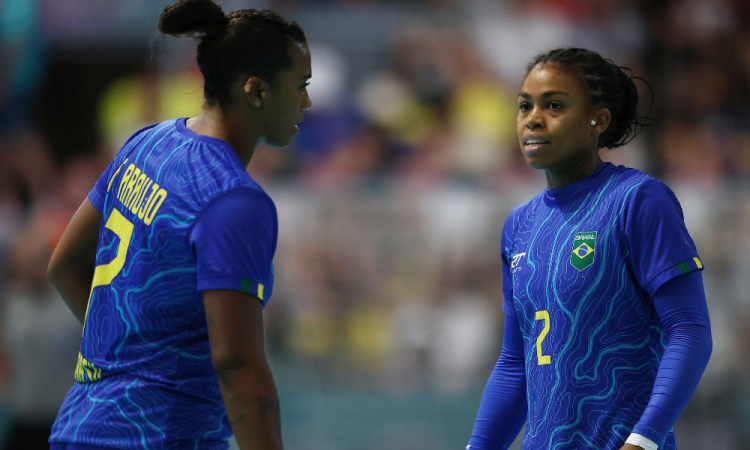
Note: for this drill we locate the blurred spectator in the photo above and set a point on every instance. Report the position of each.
(21, 60)
(38, 334)
(40, 338)
(146, 97)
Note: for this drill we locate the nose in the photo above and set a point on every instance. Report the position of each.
(306, 102)
(534, 119)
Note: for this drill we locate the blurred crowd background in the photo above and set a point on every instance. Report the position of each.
(386, 318)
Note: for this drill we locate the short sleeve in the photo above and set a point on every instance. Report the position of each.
(506, 239)
(660, 246)
(234, 241)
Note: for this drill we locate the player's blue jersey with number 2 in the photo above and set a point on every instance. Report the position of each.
(179, 215)
(584, 262)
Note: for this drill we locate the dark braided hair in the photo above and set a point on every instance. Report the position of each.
(609, 85)
(241, 43)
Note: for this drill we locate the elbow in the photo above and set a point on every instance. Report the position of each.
(703, 343)
(53, 272)
(709, 345)
(706, 341)
(694, 339)
(227, 363)
(58, 270)
(234, 368)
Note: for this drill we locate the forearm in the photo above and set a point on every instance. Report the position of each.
(685, 358)
(74, 289)
(681, 306)
(503, 409)
(71, 266)
(252, 405)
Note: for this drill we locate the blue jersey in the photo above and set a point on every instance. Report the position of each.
(581, 265)
(179, 215)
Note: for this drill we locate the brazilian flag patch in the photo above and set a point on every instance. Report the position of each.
(584, 245)
(690, 265)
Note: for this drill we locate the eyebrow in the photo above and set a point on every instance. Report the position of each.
(545, 94)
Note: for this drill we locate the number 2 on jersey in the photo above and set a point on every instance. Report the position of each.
(541, 358)
(105, 273)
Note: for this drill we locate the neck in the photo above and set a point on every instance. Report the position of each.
(563, 176)
(229, 125)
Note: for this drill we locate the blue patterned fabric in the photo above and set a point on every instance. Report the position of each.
(581, 264)
(179, 215)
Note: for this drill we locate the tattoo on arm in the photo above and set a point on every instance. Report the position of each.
(226, 378)
(266, 405)
(237, 420)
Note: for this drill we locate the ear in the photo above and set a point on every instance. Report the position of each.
(255, 91)
(600, 121)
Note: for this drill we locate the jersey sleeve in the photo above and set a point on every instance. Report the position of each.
(682, 310)
(234, 241)
(503, 409)
(660, 246)
(505, 241)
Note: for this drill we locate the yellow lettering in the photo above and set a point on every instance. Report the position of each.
(156, 204)
(131, 183)
(139, 200)
(140, 194)
(128, 189)
(136, 191)
(148, 203)
(112, 178)
(86, 371)
(124, 181)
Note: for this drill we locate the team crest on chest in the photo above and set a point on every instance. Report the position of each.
(584, 245)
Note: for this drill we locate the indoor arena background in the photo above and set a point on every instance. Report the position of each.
(386, 318)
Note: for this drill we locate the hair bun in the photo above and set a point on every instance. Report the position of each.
(192, 18)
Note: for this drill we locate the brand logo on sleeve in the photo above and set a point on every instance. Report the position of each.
(584, 245)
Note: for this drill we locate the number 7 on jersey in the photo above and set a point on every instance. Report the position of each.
(105, 273)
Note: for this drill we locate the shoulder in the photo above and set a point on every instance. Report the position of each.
(243, 211)
(637, 187)
(636, 179)
(136, 137)
(524, 211)
(144, 140)
(245, 201)
(650, 199)
(653, 192)
(207, 167)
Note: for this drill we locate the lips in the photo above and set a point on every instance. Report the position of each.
(533, 143)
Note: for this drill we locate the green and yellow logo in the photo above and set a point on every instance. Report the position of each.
(583, 250)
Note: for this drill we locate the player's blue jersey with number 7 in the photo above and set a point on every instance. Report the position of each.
(583, 262)
(179, 215)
